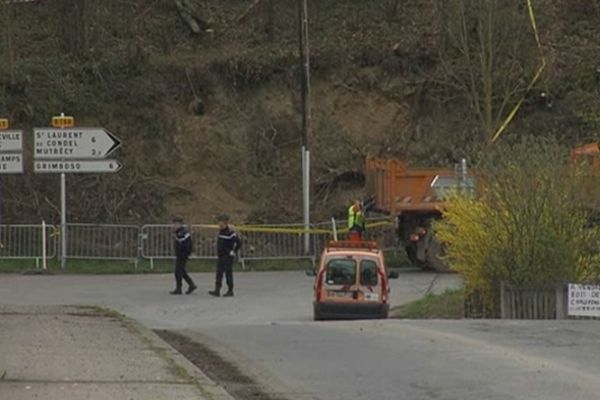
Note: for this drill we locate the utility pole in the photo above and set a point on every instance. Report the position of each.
(306, 116)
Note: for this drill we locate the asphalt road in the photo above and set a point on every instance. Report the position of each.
(261, 297)
(267, 329)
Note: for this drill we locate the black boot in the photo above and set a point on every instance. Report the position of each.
(176, 291)
(216, 292)
(229, 293)
(191, 289)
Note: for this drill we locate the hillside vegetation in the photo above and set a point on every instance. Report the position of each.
(210, 121)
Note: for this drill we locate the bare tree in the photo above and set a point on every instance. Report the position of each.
(74, 24)
(268, 11)
(484, 56)
(9, 40)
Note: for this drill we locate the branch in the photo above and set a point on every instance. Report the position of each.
(244, 14)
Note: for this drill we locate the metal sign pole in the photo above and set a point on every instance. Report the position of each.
(63, 220)
(44, 248)
(306, 190)
(306, 116)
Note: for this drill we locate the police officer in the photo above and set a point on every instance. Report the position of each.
(183, 249)
(228, 243)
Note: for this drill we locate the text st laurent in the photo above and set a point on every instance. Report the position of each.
(57, 142)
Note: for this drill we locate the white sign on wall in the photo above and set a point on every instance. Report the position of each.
(584, 300)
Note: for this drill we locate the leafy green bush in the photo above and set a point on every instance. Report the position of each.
(529, 224)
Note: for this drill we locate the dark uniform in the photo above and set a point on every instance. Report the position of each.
(183, 249)
(228, 243)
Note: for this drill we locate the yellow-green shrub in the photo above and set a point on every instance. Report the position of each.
(527, 226)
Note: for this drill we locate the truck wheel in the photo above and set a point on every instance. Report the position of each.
(434, 254)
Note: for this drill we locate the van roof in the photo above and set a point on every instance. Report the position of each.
(348, 245)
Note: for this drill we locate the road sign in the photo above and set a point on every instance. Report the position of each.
(73, 143)
(11, 163)
(76, 166)
(584, 300)
(11, 141)
(63, 121)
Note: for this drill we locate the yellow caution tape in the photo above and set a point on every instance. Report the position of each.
(536, 77)
(55, 232)
(293, 229)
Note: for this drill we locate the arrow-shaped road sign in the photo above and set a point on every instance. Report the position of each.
(76, 166)
(73, 143)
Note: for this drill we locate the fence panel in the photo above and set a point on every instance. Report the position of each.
(157, 242)
(102, 242)
(261, 245)
(25, 241)
(519, 303)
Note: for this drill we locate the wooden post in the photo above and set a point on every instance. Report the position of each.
(502, 301)
(561, 312)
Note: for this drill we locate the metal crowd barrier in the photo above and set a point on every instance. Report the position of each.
(258, 244)
(277, 242)
(103, 242)
(25, 241)
(155, 242)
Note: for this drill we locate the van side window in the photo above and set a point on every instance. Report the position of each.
(368, 273)
(341, 272)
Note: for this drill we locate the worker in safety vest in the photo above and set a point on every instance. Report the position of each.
(356, 220)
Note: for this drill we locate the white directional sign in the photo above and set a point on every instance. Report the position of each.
(73, 143)
(76, 166)
(584, 300)
(11, 163)
(11, 141)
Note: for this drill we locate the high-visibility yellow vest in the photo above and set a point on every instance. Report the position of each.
(356, 218)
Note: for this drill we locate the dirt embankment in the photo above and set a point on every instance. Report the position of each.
(211, 121)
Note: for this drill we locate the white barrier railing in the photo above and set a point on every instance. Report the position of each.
(103, 242)
(155, 242)
(27, 241)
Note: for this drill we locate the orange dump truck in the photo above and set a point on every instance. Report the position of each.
(415, 196)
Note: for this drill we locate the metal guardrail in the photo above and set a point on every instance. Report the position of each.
(103, 242)
(25, 241)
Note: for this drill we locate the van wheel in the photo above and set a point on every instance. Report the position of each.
(317, 316)
(385, 313)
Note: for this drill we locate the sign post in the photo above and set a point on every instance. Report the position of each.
(64, 149)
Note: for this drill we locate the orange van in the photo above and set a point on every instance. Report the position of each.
(352, 282)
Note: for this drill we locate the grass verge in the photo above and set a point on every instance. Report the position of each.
(105, 267)
(102, 267)
(447, 305)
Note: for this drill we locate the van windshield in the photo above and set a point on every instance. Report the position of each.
(341, 271)
(368, 273)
